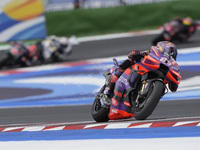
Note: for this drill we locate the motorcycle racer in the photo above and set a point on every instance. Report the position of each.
(186, 27)
(135, 56)
(20, 51)
(55, 48)
(177, 29)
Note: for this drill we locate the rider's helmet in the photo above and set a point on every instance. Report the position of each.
(64, 41)
(187, 21)
(167, 48)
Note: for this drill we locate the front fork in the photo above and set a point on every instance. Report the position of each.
(145, 87)
(142, 93)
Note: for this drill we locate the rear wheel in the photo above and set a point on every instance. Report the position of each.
(144, 106)
(99, 113)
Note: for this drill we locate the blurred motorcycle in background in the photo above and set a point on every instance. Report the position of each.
(51, 49)
(55, 49)
(20, 55)
(178, 29)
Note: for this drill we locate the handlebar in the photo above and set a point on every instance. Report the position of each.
(144, 53)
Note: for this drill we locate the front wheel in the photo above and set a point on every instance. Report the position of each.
(143, 107)
(99, 113)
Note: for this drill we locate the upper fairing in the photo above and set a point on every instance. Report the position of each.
(164, 59)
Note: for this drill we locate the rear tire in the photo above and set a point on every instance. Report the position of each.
(147, 106)
(99, 113)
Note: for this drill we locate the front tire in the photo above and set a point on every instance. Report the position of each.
(145, 107)
(99, 113)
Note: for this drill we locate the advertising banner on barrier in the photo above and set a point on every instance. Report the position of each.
(21, 20)
(58, 5)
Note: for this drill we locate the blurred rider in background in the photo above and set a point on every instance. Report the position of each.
(186, 27)
(55, 48)
(20, 51)
(134, 57)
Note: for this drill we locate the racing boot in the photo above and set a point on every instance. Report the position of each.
(110, 85)
(108, 92)
(106, 101)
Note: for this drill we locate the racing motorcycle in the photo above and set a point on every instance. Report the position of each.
(56, 49)
(172, 31)
(156, 70)
(20, 55)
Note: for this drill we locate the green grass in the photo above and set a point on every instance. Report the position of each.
(85, 22)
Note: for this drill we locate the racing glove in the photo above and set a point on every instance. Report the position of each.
(135, 55)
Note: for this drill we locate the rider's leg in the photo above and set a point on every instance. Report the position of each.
(110, 87)
(121, 106)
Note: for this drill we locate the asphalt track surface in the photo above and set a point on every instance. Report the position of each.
(100, 49)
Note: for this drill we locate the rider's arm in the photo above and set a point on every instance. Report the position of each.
(125, 64)
(133, 57)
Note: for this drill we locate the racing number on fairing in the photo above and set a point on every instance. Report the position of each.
(166, 61)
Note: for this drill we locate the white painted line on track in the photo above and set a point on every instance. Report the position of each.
(107, 36)
(184, 143)
(54, 128)
(189, 50)
(147, 125)
(9, 129)
(34, 128)
(118, 125)
(118, 35)
(94, 125)
(184, 123)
